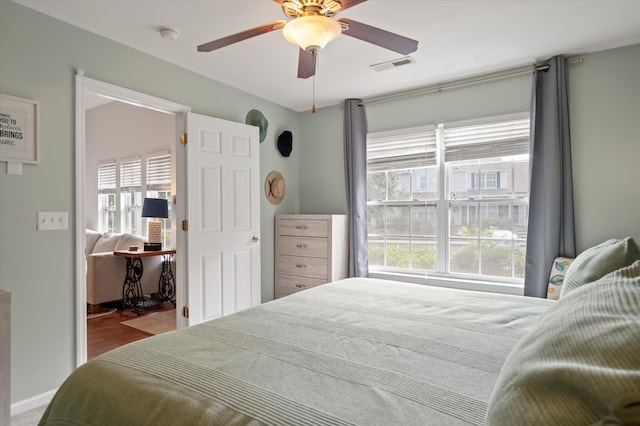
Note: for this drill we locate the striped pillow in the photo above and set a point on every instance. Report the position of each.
(596, 262)
(580, 363)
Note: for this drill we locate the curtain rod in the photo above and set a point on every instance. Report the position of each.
(461, 83)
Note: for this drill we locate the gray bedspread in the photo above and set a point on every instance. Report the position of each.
(357, 351)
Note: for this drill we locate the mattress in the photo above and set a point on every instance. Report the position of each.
(356, 351)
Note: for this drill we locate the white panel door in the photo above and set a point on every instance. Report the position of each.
(223, 209)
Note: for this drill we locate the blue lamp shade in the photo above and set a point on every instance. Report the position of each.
(155, 207)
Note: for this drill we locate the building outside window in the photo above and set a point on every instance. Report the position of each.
(487, 180)
(450, 199)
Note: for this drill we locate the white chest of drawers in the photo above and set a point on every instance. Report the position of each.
(310, 250)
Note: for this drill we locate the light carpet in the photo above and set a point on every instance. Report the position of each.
(154, 323)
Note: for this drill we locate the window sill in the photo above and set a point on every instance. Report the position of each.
(457, 283)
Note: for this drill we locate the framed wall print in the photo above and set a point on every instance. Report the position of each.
(19, 130)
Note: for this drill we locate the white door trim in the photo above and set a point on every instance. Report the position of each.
(87, 86)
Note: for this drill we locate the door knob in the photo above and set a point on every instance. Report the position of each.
(255, 238)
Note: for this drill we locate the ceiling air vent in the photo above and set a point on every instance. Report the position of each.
(393, 64)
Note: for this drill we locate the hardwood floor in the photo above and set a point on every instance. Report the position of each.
(106, 333)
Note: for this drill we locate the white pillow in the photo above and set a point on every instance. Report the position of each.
(106, 243)
(91, 239)
(128, 240)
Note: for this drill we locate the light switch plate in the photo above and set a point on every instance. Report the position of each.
(53, 221)
(14, 168)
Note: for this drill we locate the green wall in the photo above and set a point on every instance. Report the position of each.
(604, 98)
(604, 95)
(322, 183)
(39, 56)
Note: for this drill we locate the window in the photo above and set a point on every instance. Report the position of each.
(402, 193)
(159, 186)
(122, 186)
(107, 206)
(131, 195)
(450, 199)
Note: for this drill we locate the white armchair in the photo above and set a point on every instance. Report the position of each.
(106, 272)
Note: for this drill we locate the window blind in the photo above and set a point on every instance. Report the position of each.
(159, 173)
(107, 178)
(486, 140)
(393, 150)
(131, 176)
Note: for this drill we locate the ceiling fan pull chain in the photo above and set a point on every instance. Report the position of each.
(313, 107)
(313, 77)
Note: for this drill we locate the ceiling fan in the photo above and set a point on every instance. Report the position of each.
(312, 26)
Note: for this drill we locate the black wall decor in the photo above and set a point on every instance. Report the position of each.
(285, 143)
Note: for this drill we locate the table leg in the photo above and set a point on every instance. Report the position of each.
(167, 282)
(132, 296)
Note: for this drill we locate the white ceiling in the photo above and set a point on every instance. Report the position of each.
(457, 38)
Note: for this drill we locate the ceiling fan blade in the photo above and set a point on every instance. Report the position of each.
(306, 64)
(234, 38)
(379, 37)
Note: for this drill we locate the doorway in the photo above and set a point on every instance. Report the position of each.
(225, 156)
(89, 91)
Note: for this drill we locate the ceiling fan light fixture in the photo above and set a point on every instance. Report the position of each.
(311, 32)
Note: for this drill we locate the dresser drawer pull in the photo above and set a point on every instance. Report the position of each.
(301, 266)
(301, 286)
(301, 245)
(301, 227)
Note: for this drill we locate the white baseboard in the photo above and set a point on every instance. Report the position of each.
(33, 402)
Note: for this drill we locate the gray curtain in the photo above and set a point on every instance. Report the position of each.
(551, 226)
(355, 167)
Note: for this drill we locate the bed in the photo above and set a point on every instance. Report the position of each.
(356, 351)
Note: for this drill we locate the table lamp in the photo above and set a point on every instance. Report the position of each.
(154, 208)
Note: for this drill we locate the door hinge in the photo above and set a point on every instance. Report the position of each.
(184, 139)
(185, 225)
(185, 311)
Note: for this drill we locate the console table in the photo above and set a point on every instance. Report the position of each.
(132, 296)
